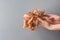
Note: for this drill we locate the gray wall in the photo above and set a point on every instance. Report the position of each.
(11, 19)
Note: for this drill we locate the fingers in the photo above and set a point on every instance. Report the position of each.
(43, 23)
(48, 26)
(56, 17)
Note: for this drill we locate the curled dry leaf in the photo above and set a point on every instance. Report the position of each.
(31, 21)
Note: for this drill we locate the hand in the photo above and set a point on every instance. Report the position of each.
(55, 26)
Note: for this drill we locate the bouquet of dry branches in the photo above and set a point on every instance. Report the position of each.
(31, 20)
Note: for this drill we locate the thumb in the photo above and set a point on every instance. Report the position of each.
(43, 22)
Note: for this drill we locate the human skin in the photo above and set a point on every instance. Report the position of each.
(55, 26)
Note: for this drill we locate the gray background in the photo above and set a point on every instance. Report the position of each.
(11, 19)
